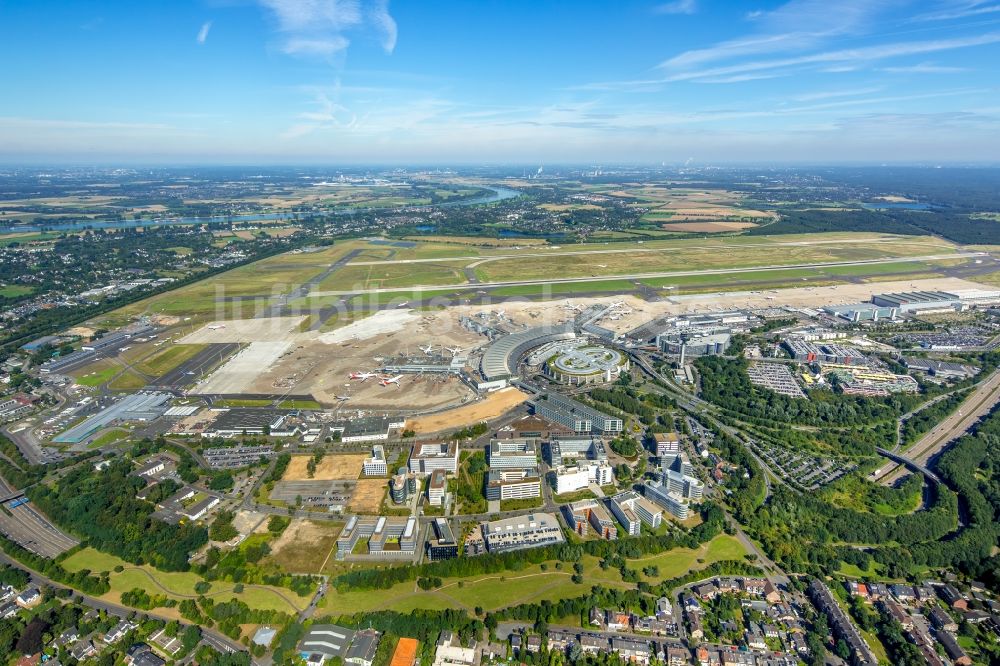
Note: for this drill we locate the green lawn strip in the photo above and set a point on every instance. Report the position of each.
(242, 402)
(398, 297)
(109, 437)
(299, 404)
(179, 585)
(567, 498)
(679, 561)
(167, 359)
(97, 377)
(565, 288)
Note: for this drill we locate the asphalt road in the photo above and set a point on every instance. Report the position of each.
(33, 531)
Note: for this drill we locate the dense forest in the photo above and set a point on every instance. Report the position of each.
(102, 508)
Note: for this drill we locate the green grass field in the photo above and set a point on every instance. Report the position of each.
(529, 585)
(697, 254)
(558, 289)
(681, 560)
(242, 402)
(392, 276)
(97, 373)
(167, 359)
(110, 437)
(299, 404)
(179, 585)
(15, 290)
(127, 381)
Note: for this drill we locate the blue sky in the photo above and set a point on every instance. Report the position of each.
(485, 81)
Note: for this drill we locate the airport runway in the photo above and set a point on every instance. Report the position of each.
(279, 302)
(657, 275)
(632, 250)
(195, 367)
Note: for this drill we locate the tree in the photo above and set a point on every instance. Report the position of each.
(31, 640)
(190, 637)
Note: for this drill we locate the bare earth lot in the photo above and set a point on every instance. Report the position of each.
(494, 405)
(368, 495)
(332, 467)
(305, 545)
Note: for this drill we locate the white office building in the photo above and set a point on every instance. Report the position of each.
(376, 465)
(427, 457)
(570, 479)
(513, 453)
(632, 509)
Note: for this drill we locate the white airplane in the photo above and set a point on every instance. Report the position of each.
(454, 351)
(363, 376)
(216, 327)
(343, 398)
(429, 349)
(391, 380)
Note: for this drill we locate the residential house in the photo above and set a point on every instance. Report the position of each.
(28, 598)
(617, 620)
(636, 652)
(951, 596)
(593, 644)
(953, 649)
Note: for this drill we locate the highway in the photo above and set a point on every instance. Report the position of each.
(978, 404)
(660, 274)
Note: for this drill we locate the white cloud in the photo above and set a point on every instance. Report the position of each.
(840, 57)
(319, 28)
(385, 23)
(792, 27)
(924, 68)
(960, 9)
(829, 94)
(203, 33)
(320, 46)
(678, 7)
